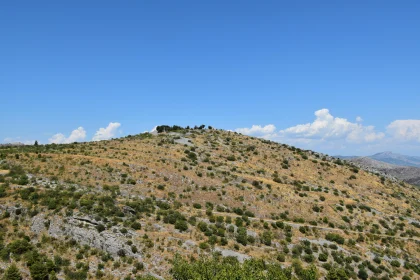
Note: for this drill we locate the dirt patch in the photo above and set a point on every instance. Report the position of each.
(4, 172)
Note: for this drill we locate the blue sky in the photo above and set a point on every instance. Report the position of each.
(70, 68)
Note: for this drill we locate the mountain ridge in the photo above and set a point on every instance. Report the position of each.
(390, 157)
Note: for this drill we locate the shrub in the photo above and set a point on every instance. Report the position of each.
(181, 225)
(136, 226)
(18, 247)
(231, 158)
(335, 238)
(323, 257)
(395, 263)
(12, 273)
(281, 257)
(38, 271)
(362, 274)
(100, 228)
(241, 237)
(316, 209)
(121, 253)
(204, 245)
(266, 237)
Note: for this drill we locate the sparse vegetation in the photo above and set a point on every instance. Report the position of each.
(152, 195)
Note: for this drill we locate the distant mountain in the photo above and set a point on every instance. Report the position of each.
(409, 174)
(390, 157)
(397, 159)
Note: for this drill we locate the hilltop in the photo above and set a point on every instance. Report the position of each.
(158, 204)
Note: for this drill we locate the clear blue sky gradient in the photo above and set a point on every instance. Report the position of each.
(230, 64)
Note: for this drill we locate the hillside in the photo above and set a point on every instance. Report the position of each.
(157, 204)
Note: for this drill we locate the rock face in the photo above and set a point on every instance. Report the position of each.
(229, 253)
(82, 229)
(12, 210)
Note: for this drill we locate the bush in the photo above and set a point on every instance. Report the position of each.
(204, 245)
(38, 271)
(323, 257)
(121, 253)
(19, 247)
(12, 273)
(281, 257)
(136, 226)
(336, 273)
(100, 228)
(362, 274)
(231, 158)
(241, 237)
(181, 225)
(266, 237)
(316, 209)
(395, 263)
(335, 237)
(230, 268)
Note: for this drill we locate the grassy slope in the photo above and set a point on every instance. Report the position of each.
(236, 171)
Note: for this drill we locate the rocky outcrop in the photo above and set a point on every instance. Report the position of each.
(83, 230)
(229, 253)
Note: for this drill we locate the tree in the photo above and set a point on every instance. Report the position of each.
(53, 276)
(336, 273)
(181, 225)
(38, 271)
(36, 143)
(266, 237)
(100, 227)
(12, 273)
(363, 274)
(241, 236)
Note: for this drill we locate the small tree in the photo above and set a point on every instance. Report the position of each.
(12, 273)
(38, 271)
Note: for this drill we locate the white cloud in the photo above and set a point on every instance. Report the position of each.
(106, 133)
(405, 130)
(257, 130)
(10, 140)
(76, 135)
(327, 127)
(325, 133)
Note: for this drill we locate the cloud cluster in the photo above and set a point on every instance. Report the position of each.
(405, 130)
(106, 133)
(325, 127)
(16, 140)
(76, 135)
(337, 133)
(258, 130)
(79, 134)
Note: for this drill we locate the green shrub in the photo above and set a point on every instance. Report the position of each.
(12, 273)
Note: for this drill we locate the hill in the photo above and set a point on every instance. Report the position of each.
(159, 204)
